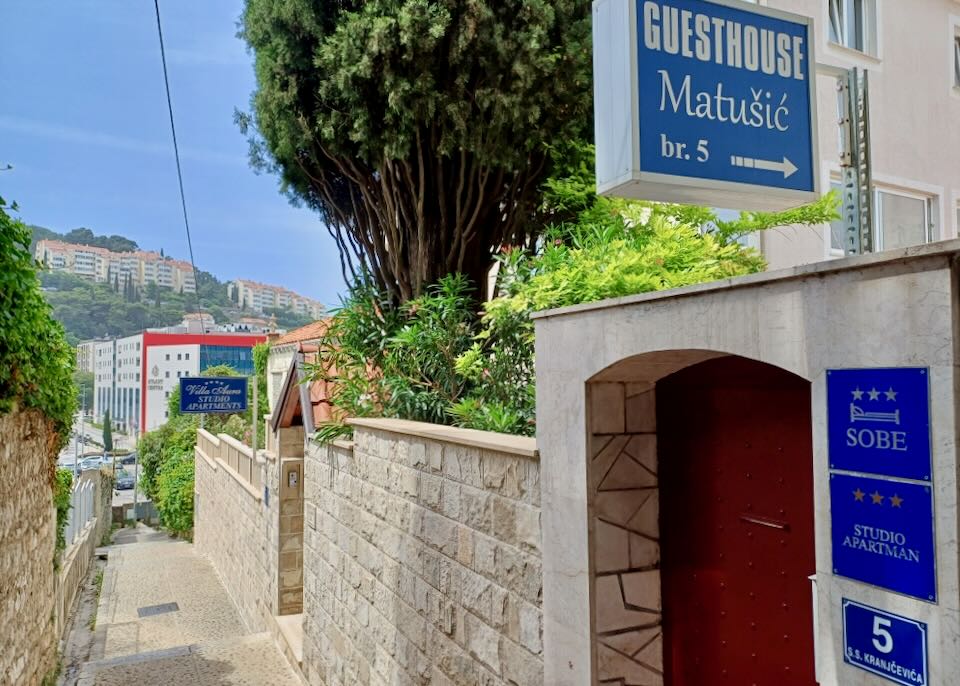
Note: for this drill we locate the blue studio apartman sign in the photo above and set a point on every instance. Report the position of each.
(214, 394)
(724, 98)
(882, 534)
(878, 421)
(885, 644)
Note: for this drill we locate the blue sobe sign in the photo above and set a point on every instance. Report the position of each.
(881, 487)
(878, 421)
(723, 110)
(213, 394)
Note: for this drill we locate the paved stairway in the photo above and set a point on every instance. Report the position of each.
(165, 618)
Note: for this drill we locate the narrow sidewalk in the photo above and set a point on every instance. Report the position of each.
(164, 618)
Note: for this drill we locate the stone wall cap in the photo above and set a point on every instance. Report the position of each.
(487, 440)
(209, 436)
(239, 445)
(942, 249)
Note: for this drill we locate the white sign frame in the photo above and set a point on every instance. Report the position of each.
(617, 124)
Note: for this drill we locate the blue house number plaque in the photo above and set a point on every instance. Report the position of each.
(885, 644)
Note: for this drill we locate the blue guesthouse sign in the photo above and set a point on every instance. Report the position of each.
(885, 644)
(883, 534)
(725, 103)
(220, 394)
(878, 421)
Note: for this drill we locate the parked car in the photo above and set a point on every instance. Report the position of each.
(125, 482)
(128, 459)
(91, 463)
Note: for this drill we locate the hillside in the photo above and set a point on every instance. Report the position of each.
(93, 310)
(83, 236)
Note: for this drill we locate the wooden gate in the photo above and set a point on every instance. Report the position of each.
(736, 522)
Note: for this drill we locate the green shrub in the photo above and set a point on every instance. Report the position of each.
(261, 354)
(36, 363)
(62, 486)
(174, 497)
(399, 362)
(607, 248)
(174, 440)
(430, 359)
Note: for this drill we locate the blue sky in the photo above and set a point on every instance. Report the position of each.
(83, 120)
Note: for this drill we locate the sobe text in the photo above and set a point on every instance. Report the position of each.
(877, 438)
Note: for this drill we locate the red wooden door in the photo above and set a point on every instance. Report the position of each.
(736, 521)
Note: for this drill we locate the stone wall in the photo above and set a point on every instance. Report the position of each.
(104, 507)
(27, 536)
(422, 558)
(625, 542)
(235, 526)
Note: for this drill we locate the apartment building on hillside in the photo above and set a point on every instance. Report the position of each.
(259, 296)
(106, 266)
(85, 351)
(911, 51)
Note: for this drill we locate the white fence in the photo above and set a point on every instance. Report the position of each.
(81, 510)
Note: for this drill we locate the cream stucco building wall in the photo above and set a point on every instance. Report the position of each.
(891, 310)
(909, 50)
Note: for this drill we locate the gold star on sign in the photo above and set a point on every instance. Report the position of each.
(857, 394)
(890, 393)
(895, 500)
(858, 495)
(877, 498)
(874, 394)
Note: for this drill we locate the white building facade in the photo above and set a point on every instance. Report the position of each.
(911, 51)
(258, 296)
(85, 356)
(135, 376)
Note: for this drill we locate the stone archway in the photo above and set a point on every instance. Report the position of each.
(640, 620)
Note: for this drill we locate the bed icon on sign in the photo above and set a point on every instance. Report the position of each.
(858, 414)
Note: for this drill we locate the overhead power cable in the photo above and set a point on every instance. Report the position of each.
(176, 153)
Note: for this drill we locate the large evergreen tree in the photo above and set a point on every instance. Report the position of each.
(107, 432)
(419, 131)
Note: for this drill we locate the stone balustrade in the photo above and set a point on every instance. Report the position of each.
(234, 454)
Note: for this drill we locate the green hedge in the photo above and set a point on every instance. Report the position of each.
(36, 363)
(61, 501)
(175, 495)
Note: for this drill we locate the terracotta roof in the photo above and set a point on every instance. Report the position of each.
(71, 247)
(310, 332)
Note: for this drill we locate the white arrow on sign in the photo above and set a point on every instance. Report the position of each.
(787, 167)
